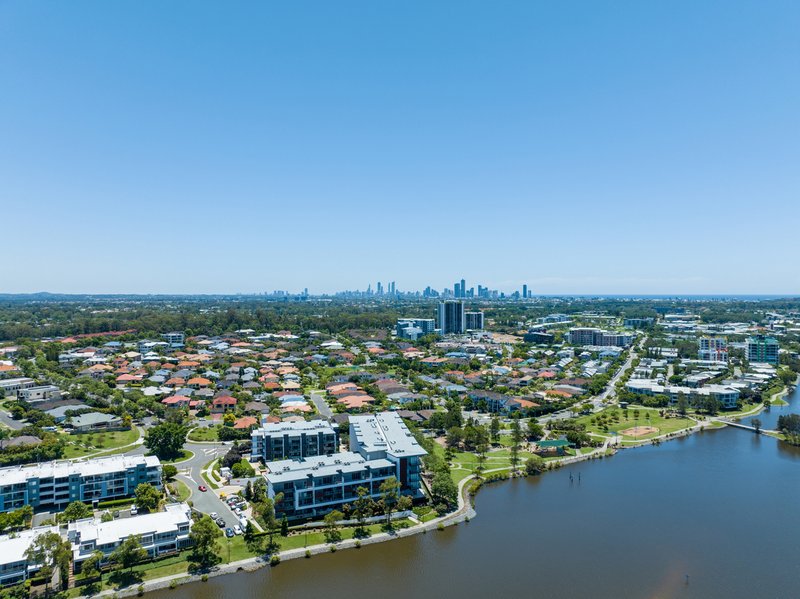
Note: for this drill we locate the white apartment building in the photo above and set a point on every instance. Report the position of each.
(56, 484)
(160, 533)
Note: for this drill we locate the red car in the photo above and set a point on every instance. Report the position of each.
(203, 488)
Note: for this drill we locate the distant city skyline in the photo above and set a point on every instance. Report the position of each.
(578, 148)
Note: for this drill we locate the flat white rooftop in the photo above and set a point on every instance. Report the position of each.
(291, 470)
(104, 533)
(294, 428)
(384, 431)
(13, 548)
(12, 475)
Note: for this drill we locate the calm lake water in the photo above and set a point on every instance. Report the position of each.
(722, 507)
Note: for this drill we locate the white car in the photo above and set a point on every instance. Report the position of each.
(214, 515)
(237, 530)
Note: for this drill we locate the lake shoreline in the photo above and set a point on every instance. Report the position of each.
(464, 513)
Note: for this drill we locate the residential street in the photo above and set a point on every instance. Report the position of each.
(318, 397)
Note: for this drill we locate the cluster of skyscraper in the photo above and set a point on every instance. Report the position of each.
(459, 291)
(380, 290)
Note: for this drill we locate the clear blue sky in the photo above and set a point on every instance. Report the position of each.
(581, 147)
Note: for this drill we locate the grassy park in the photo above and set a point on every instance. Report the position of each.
(84, 444)
(204, 434)
(624, 421)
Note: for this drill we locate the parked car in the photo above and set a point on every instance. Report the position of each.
(214, 516)
(229, 532)
(237, 530)
(134, 510)
(220, 522)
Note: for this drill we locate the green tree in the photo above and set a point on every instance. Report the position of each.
(129, 553)
(534, 465)
(443, 489)
(454, 436)
(265, 510)
(757, 425)
(494, 429)
(91, 568)
(168, 471)
(332, 532)
(405, 503)
(147, 497)
(390, 494)
(205, 549)
(259, 491)
(284, 526)
(165, 440)
(480, 452)
(242, 469)
(535, 430)
(77, 510)
(516, 440)
(682, 404)
(51, 552)
(362, 509)
(16, 519)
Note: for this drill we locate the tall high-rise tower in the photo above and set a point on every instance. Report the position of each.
(451, 317)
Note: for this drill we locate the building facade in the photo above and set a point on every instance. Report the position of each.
(11, 387)
(451, 317)
(473, 321)
(414, 328)
(39, 393)
(174, 338)
(714, 349)
(763, 349)
(381, 447)
(293, 441)
(385, 436)
(538, 337)
(728, 397)
(314, 486)
(598, 337)
(53, 485)
(14, 566)
(639, 323)
(160, 534)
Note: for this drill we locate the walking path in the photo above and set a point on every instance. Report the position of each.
(464, 513)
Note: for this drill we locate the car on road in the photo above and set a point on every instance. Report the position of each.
(229, 532)
(202, 488)
(134, 510)
(237, 530)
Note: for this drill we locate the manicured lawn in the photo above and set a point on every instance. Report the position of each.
(89, 443)
(238, 549)
(300, 539)
(616, 420)
(748, 407)
(204, 434)
(182, 491)
(176, 564)
(230, 550)
(185, 455)
(464, 463)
